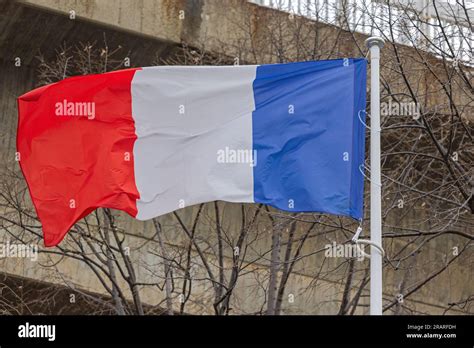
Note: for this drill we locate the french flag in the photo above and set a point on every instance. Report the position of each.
(149, 141)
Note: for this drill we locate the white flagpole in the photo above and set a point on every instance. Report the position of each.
(375, 44)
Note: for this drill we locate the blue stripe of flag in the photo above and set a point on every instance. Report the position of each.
(308, 137)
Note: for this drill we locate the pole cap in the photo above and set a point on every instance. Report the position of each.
(374, 40)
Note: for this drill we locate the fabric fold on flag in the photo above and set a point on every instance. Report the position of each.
(149, 141)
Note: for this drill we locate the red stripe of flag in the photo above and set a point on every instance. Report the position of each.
(76, 163)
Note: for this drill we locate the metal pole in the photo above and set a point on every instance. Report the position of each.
(375, 44)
